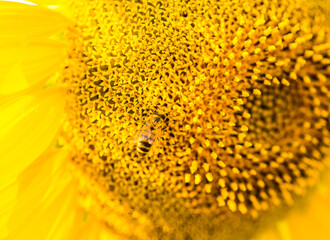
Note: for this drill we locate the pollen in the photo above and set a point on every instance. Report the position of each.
(242, 93)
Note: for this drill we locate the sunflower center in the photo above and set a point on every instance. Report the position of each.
(194, 115)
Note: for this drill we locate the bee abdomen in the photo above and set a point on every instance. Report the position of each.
(143, 147)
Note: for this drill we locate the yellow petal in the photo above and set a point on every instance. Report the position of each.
(88, 227)
(7, 203)
(312, 222)
(28, 125)
(269, 234)
(308, 221)
(20, 19)
(46, 205)
(22, 141)
(46, 200)
(26, 63)
(60, 6)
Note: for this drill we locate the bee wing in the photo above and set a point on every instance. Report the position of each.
(134, 137)
(159, 141)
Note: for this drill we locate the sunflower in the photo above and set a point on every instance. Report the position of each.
(151, 119)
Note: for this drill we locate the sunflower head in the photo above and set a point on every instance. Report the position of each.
(190, 119)
(244, 94)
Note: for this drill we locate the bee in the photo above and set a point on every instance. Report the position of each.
(148, 134)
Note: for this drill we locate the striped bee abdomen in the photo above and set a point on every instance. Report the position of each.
(143, 147)
(147, 136)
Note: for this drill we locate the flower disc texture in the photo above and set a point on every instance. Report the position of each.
(243, 91)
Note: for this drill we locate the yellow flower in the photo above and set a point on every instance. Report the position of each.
(164, 119)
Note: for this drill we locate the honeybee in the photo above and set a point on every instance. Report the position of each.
(148, 134)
